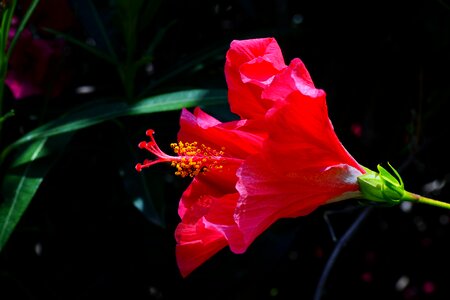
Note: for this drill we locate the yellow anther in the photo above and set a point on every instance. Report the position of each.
(194, 159)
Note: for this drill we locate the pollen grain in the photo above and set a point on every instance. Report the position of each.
(194, 159)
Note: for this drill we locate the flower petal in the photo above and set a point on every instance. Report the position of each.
(33, 64)
(301, 136)
(274, 194)
(202, 193)
(302, 164)
(250, 67)
(238, 137)
(195, 245)
(294, 78)
(200, 238)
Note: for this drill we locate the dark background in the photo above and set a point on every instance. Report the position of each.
(385, 68)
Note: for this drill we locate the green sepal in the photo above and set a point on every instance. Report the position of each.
(382, 186)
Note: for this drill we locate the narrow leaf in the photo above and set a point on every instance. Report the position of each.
(177, 100)
(99, 112)
(187, 64)
(19, 185)
(93, 50)
(22, 25)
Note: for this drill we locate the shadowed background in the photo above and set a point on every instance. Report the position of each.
(384, 67)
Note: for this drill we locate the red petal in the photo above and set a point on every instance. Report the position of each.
(302, 136)
(294, 78)
(242, 51)
(268, 195)
(250, 66)
(196, 244)
(258, 71)
(202, 192)
(213, 197)
(201, 239)
(239, 141)
(302, 163)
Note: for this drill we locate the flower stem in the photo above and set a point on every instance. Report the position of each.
(420, 199)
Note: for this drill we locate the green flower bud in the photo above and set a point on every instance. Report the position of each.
(383, 186)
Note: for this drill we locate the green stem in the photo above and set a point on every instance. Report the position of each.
(5, 24)
(127, 72)
(411, 197)
(21, 27)
(101, 28)
(6, 18)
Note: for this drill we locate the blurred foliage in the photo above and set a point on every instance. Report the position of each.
(77, 221)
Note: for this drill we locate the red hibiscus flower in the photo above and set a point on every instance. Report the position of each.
(281, 160)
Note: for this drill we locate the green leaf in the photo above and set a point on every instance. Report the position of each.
(21, 189)
(22, 25)
(98, 112)
(187, 64)
(101, 28)
(93, 50)
(178, 100)
(6, 116)
(19, 185)
(28, 167)
(156, 40)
